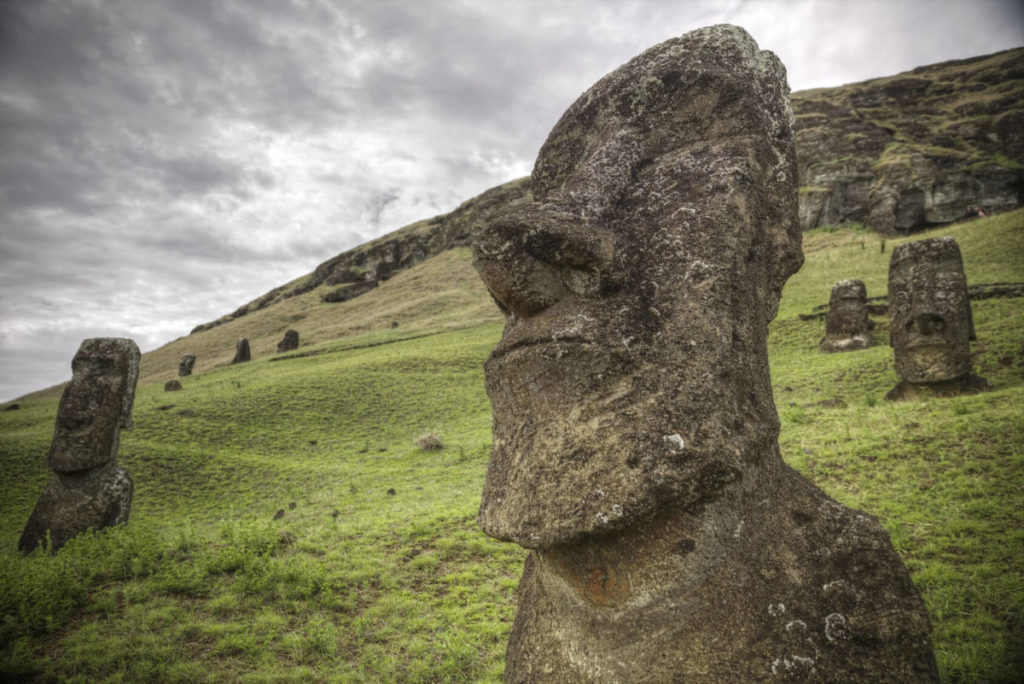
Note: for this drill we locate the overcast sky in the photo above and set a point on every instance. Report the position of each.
(163, 162)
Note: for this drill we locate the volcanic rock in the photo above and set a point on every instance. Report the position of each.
(635, 437)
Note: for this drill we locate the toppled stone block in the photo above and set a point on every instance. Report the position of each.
(930, 321)
(847, 326)
(635, 436)
(88, 489)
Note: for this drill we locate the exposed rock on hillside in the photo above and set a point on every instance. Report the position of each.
(898, 154)
(911, 151)
(359, 270)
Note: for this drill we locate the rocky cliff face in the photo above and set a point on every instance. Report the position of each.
(897, 154)
(914, 150)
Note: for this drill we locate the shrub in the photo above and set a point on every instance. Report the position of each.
(428, 441)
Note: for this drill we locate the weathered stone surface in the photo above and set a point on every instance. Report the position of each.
(172, 386)
(912, 151)
(242, 353)
(188, 362)
(930, 320)
(847, 326)
(75, 502)
(635, 436)
(289, 343)
(88, 489)
(95, 405)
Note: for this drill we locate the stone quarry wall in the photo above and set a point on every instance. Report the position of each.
(913, 151)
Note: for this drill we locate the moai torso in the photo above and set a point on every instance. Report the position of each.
(635, 437)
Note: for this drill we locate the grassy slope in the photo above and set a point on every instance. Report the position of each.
(357, 584)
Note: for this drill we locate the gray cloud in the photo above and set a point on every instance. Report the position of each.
(163, 162)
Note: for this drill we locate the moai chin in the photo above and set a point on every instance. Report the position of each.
(635, 438)
(847, 326)
(188, 362)
(242, 353)
(88, 489)
(930, 321)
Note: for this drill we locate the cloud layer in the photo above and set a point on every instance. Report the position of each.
(162, 163)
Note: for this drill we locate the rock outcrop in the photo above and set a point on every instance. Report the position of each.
(847, 326)
(931, 327)
(635, 437)
(359, 270)
(913, 151)
(88, 490)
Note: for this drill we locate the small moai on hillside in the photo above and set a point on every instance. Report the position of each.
(88, 489)
(847, 326)
(188, 362)
(173, 386)
(289, 343)
(635, 437)
(930, 321)
(242, 353)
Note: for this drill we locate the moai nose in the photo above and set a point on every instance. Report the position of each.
(929, 323)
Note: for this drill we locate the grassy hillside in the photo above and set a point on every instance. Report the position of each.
(287, 527)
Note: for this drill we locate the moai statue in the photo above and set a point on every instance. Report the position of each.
(930, 321)
(289, 343)
(242, 353)
(847, 326)
(635, 437)
(188, 362)
(88, 489)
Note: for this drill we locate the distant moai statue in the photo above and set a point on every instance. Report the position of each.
(173, 386)
(188, 362)
(847, 326)
(635, 437)
(930, 321)
(289, 343)
(242, 353)
(88, 489)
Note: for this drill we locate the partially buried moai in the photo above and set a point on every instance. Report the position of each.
(635, 437)
(242, 353)
(289, 343)
(188, 362)
(847, 326)
(88, 489)
(930, 321)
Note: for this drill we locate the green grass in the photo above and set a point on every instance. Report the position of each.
(353, 583)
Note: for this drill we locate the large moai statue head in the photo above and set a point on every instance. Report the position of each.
(635, 437)
(188, 362)
(930, 317)
(88, 489)
(637, 289)
(290, 342)
(95, 405)
(242, 351)
(847, 326)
